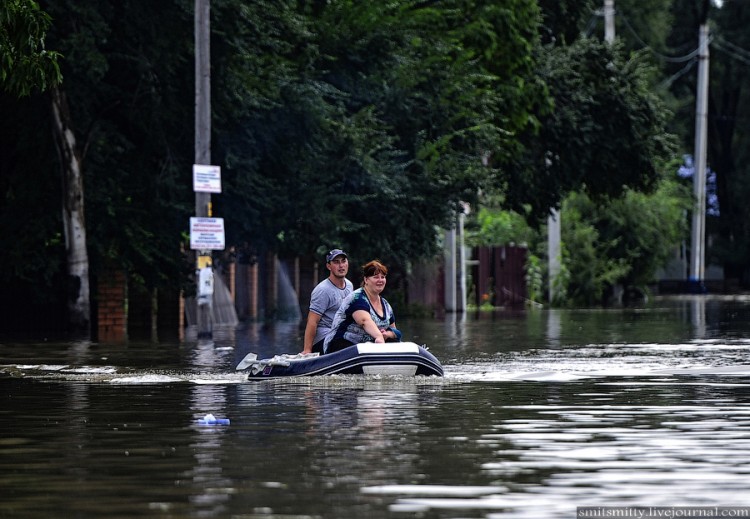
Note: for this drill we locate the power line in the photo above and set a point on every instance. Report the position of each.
(734, 47)
(736, 52)
(729, 48)
(590, 25)
(670, 59)
(674, 77)
(722, 44)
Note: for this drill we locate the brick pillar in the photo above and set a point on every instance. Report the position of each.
(272, 287)
(296, 277)
(181, 317)
(112, 309)
(252, 290)
(232, 281)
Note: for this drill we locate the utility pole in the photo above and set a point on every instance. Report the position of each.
(554, 256)
(698, 235)
(609, 21)
(451, 270)
(203, 146)
(202, 98)
(455, 265)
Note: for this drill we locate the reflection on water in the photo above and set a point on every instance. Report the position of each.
(538, 413)
(211, 488)
(698, 317)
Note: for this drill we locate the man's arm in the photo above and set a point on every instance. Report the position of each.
(312, 326)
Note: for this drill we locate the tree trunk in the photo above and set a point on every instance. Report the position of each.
(74, 223)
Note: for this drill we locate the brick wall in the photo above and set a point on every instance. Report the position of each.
(112, 297)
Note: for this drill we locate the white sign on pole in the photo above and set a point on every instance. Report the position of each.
(206, 179)
(207, 233)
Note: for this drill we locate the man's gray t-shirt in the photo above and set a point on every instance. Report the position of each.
(325, 300)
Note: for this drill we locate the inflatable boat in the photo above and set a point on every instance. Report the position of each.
(396, 358)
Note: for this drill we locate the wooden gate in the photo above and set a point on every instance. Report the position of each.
(499, 276)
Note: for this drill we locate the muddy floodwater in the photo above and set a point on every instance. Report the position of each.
(540, 412)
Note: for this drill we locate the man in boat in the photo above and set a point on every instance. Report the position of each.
(326, 299)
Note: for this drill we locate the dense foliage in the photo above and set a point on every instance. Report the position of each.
(369, 133)
(25, 64)
(664, 33)
(361, 124)
(605, 133)
(622, 243)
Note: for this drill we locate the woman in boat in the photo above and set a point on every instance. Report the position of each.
(364, 316)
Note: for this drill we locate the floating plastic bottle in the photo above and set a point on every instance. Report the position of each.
(210, 419)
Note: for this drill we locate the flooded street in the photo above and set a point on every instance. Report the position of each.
(539, 412)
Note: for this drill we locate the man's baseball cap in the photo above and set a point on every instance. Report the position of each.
(335, 252)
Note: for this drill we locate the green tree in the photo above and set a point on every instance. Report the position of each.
(123, 128)
(26, 67)
(357, 125)
(606, 132)
(371, 134)
(360, 125)
(563, 21)
(621, 242)
(495, 227)
(25, 64)
(122, 125)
